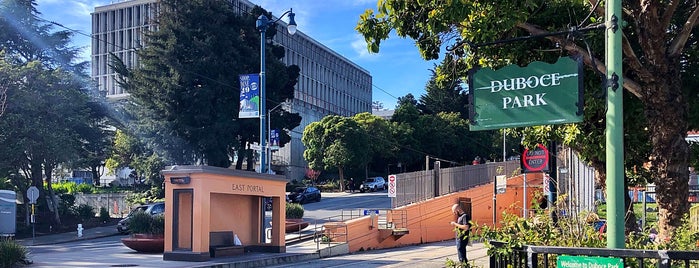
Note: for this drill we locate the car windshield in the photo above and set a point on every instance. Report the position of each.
(141, 208)
(300, 190)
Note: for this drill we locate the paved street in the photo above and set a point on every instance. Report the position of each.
(101, 247)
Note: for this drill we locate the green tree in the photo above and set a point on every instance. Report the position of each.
(185, 95)
(48, 102)
(382, 146)
(657, 46)
(335, 142)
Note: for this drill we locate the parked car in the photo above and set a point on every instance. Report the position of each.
(373, 184)
(304, 195)
(152, 209)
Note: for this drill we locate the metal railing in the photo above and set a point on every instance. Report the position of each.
(544, 256)
(422, 185)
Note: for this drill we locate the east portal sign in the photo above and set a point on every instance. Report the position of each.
(539, 94)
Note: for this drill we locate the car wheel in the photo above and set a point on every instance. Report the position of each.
(361, 190)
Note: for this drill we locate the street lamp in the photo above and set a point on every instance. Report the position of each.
(262, 24)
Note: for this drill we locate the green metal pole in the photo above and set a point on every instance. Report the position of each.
(615, 127)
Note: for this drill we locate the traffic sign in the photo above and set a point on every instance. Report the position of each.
(535, 160)
(371, 212)
(391, 185)
(32, 194)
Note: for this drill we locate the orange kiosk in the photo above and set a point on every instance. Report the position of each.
(211, 211)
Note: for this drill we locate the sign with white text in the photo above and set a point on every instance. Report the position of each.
(514, 96)
(249, 96)
(588, 262)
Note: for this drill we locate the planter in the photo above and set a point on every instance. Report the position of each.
(295, 225)
(149, 243)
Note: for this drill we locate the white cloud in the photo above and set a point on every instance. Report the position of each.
(359, 46)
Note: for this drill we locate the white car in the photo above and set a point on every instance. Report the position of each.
(373, 184)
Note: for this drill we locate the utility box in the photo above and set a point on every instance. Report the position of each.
(8, 212)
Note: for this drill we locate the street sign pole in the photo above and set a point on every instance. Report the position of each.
(614, 131)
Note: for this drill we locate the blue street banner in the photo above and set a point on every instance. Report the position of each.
(274, 137)
(249, 96)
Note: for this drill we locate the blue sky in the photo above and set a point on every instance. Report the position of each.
(397, 69)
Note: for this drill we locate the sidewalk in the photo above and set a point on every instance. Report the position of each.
(296, 253)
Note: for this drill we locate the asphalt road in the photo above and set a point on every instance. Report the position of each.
(109, 251)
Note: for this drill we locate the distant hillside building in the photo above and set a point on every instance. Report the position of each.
(329, 83)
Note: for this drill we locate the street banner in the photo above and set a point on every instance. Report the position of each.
(538, 94)
(274, 138)
(249, 96)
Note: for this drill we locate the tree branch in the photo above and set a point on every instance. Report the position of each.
(572, 48)
(678, 44)
(669, 12)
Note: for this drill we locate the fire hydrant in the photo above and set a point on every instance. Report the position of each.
(80, 230)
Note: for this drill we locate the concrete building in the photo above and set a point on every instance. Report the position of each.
(329, 83)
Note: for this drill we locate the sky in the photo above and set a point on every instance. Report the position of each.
(396, 70)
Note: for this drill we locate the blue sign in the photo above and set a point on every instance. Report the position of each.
(371, 212)
(274, 137)
(249, 96)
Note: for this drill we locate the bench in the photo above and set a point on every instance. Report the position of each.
(222, 244)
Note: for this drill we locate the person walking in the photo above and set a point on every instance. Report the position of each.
(462, 228)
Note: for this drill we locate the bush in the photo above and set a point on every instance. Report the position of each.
(67, 202)
(143, 223)
(85, 188)
(104, 214)
(11, 253)
(84, 212)
(294, 211)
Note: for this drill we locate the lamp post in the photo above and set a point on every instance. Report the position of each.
(262, 24)
(269, 130)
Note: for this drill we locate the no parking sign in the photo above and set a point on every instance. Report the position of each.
(391, 185)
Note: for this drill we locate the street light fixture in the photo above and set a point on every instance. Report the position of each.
(262, 25)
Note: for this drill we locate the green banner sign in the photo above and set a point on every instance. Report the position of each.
(539, 94)
(588, 262)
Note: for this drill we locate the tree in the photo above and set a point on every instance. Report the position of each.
(335, 142)
(657, 41)
(47, 98)
(382, 145)
(185, 92)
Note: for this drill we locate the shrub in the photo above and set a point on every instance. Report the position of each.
(294, 211)
(11, 253)
(84, 212)
(143, 223)
(84, 188)
(104, 214)
(67, 201)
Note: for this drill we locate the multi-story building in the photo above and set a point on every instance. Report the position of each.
(329, 83)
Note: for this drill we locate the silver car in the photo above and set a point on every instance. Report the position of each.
(152, 209)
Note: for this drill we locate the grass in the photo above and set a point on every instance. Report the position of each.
(651, 212)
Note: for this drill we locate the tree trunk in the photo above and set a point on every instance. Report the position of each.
(54, 200)
(666, 112)
(342, 178)
(95, 175)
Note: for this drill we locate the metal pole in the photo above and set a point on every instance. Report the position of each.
(614, 126)
(262, 23)
(495, 208)
(269, 130)
(504, 152)
(524, 196)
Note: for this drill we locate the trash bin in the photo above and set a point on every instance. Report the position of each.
(8, 212)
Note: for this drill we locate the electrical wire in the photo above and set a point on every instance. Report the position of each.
(327, 58)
